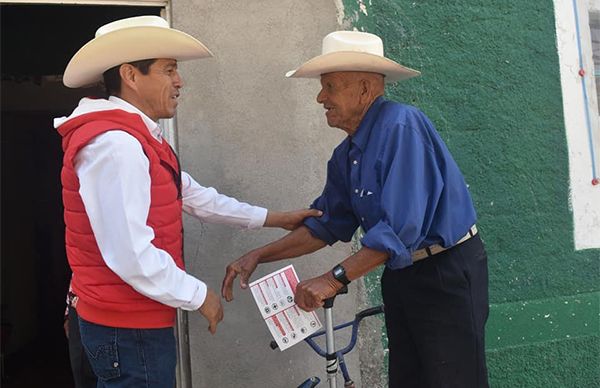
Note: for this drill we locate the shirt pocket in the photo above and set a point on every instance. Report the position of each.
(368, 207)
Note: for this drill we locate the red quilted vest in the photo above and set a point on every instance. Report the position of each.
(103, 297)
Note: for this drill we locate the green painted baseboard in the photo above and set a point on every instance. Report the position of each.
(526, 322)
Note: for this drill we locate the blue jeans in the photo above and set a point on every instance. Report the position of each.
(130, 358)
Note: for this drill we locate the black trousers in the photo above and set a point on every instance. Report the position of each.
(435, 314)
(83, 375)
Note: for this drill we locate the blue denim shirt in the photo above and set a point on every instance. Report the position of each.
(397, 180)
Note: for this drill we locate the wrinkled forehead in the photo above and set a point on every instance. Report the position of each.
(346, 77)
(338, 78)
(335, 75)
(350, 74)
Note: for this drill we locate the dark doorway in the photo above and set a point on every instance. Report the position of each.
(37, 41)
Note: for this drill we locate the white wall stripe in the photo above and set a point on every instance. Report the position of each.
(584, 197)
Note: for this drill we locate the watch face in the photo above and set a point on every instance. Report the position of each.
(339, 273)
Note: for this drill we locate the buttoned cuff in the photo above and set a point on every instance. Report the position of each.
(319, 231)
(198, 298)
(258, 217)
(382, 238)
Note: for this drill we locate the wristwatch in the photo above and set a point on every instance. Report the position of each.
(339, 274)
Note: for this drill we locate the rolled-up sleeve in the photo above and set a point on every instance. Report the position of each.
(383, 238)
(411, 186)
(338, 222)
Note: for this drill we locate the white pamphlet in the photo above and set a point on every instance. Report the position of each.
(274, 296)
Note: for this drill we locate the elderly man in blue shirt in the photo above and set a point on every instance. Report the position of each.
(394, 177)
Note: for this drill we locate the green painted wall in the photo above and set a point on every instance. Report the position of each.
(490, 82)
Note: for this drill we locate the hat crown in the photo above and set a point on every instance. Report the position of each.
(357, 41)
(136, 21)
(127, 40)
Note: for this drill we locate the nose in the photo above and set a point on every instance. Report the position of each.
(177, 80)
(321, 96)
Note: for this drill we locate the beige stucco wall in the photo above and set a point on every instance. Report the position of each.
(246, 130)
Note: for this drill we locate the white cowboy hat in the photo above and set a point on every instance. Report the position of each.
(353, 51)
(128, 40)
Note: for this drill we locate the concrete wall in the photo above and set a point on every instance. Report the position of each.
(246, 130)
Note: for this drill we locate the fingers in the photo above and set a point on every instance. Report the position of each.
(212, 310)
(314, 213)
(311, 293)
(213, 324)
(306, 298)
(212, 327)
(244, 267)
(309, 304)
(294, 219)
(227, 287)
(244, 276)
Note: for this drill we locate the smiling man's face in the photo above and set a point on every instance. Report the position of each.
(340, 96)
(158, 90)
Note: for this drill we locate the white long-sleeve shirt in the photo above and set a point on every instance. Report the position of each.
(114, 179)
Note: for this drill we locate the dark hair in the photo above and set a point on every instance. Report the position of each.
(112, 78)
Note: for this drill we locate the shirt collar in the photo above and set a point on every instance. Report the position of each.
(361, 136)
(152, 125)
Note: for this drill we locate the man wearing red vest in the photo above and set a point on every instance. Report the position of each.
(123, 194)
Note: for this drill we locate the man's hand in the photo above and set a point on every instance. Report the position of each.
(244, 266)
(311, 293)
(212, 310)
(290, 220)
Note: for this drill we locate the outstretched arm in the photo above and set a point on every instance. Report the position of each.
(294, 244)
(290, 220)
(208, 205)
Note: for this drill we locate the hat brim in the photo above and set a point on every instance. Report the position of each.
(353, 61)
(128, 45)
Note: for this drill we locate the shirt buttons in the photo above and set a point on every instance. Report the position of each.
(115, 364)
(355, 162)
(362, 218)
(356, 191)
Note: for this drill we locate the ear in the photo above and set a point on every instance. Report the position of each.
(364, 88)
(128, 75)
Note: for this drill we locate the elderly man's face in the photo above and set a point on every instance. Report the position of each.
(158, 90)
(340, 96)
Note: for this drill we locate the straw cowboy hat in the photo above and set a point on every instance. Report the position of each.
(353, 51)
(128, 40)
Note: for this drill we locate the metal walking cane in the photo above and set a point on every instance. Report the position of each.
(331, 355)
(335, 358)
